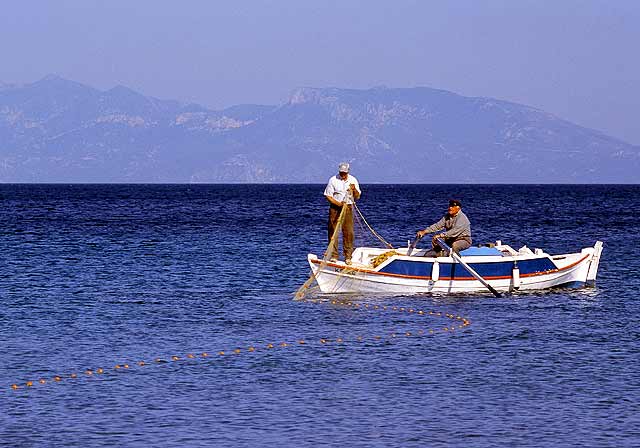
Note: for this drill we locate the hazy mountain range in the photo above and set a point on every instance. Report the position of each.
(56, 130)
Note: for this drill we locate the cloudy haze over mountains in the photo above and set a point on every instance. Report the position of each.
(57, 130)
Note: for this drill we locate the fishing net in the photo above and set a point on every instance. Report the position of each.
(364, 236)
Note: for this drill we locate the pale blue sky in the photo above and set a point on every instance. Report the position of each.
(576, 59)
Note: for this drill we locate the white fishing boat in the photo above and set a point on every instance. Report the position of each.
(498, 268)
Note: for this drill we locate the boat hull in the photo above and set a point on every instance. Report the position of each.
(400, 274)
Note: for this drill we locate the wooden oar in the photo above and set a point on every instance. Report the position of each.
(412, 246)
(478, 277)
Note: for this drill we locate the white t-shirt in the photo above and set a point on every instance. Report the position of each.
(337, 188)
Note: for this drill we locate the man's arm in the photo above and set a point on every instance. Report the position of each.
(334, 201)
(432, 228)
(461, 227)
(328, 193)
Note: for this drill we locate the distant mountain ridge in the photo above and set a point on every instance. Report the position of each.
(56, 130)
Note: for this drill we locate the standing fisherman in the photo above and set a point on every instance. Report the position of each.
(341, 192)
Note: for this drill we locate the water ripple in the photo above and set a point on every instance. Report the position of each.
(98, 276)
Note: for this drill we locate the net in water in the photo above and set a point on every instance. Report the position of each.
(364, 236)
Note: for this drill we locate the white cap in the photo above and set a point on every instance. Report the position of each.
(343, 167)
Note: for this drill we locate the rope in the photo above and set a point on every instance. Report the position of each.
(375, 262)
(382, 240)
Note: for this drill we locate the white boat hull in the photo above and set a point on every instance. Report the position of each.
(400, 274)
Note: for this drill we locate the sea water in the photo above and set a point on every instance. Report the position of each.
(98, 279)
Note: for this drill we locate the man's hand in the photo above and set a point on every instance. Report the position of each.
(355, 194)
(354, 191)
(420, 233)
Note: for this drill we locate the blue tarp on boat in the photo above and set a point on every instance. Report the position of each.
(475, 251)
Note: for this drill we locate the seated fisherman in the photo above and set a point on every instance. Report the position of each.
(457, 231)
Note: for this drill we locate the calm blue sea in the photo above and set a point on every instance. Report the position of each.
(98, 276)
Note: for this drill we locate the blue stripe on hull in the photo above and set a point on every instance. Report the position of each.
(412, 268)
(455, 270)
